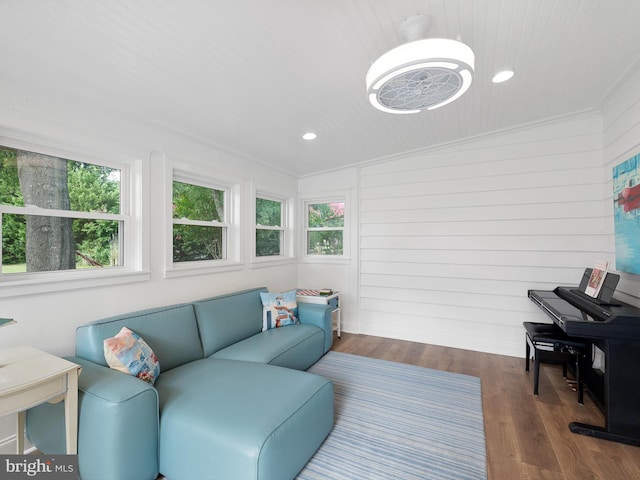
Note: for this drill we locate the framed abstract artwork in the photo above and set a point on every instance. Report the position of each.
(626, 214)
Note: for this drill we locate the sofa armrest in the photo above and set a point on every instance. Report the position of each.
(118, 426)
(320, 316)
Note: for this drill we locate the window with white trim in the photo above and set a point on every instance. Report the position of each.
(201, 216)
(324, 227)
(270, 226)
(59, 214)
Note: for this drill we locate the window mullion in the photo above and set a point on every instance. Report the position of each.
(267, 227)
(324, 229)
(52, 212)
(200, 223)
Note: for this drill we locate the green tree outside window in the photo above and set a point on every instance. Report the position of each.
(269, 227)
(199, 228)
(325, 228)
(49, 242)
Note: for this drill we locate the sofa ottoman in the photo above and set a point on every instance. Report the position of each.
(229, 419)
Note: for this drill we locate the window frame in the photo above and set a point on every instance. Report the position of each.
(134, 258)
(315, 257)
(282, 228)
(230, 225)
(287, 246)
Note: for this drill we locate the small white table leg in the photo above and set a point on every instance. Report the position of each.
(71, 412)
(20, 433)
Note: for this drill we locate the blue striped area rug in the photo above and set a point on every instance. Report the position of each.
(397, 421)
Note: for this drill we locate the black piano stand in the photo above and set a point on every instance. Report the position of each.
(615, 330)
(599, 432)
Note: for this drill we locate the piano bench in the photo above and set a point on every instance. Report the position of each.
(550, 343)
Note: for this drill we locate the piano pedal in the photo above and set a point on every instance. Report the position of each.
(573, 384)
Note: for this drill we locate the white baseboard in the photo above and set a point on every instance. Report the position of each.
(8, 446)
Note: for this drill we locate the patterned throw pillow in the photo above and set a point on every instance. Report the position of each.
(128, 353)
(279, 309)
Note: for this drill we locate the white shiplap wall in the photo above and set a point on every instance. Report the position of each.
(452, 239)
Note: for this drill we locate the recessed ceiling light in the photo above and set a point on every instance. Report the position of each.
(309, 136)
(502, 76)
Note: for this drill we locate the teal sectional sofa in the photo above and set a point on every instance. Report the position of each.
(231, 401)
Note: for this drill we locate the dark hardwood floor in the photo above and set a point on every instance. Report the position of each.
(527, 436)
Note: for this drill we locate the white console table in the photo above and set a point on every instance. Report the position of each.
(30, 377)
(333, 300)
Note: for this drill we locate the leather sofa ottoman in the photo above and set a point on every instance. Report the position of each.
(228, 419)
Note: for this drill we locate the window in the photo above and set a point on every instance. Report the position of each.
(200, 222)
(324, 228)
(270, 227)
(60, 214)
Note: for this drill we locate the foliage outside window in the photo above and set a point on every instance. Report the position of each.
(269, 227)
(58, 214)
(199, 223)
(325, 228)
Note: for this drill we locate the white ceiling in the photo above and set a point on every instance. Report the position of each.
(253, 75)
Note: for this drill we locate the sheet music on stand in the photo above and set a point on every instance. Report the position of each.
(606, 291)
(596, 280)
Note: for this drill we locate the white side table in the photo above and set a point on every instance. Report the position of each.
(333, 300)
(30, 377)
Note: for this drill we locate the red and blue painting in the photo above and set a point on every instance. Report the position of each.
(626, 214)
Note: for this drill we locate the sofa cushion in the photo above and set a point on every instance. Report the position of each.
(128, 353)
(295, 346)
(225, 419)
(279, 309)
(227, 319)
(171, 332)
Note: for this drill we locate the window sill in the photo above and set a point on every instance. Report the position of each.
(35, 283)
(202, 268)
